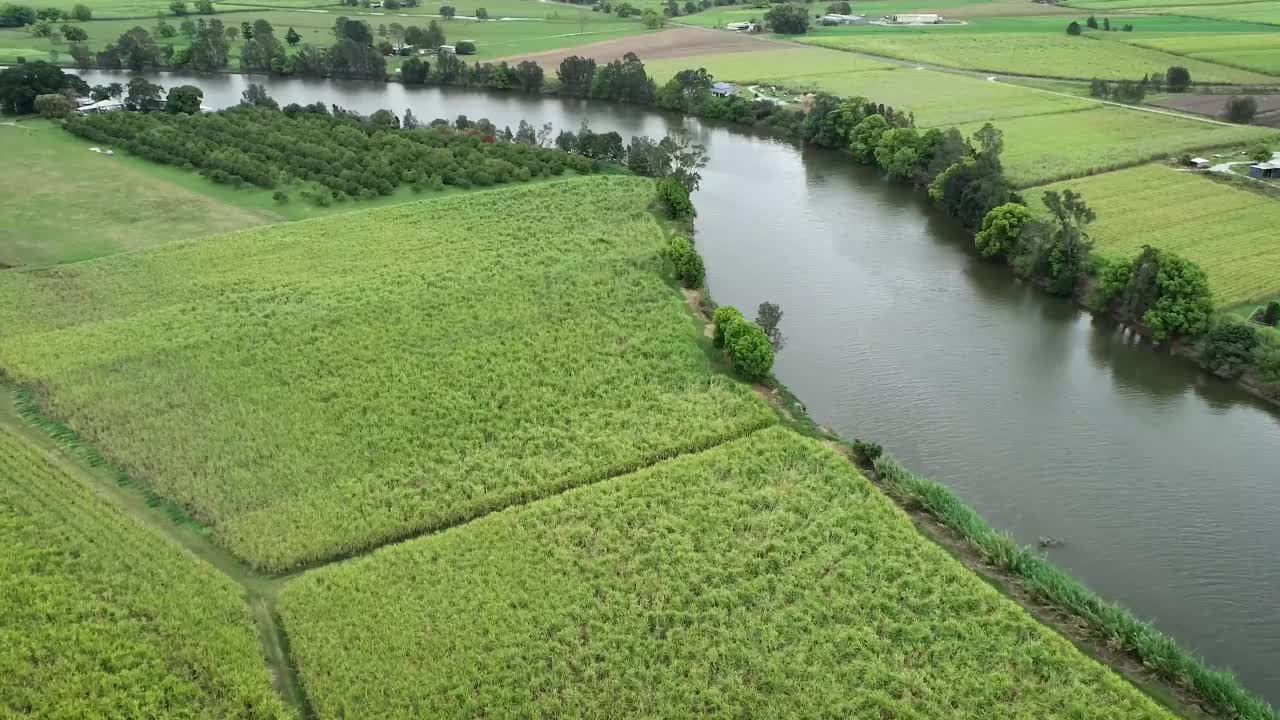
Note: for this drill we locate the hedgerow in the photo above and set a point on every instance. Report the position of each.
(762, 578)
(341, 155)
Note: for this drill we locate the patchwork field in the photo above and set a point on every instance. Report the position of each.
(765, 65)
(100, 618)
(1229, 231)
(762, 578)
(665, 44)
(1261, 12)
(313, 389)
(56, 207)
(1047, 55)
(1046, 148)
(1256, 51)
(937, 99)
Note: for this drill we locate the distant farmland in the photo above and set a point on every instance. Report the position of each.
(1229, 231)
(315, 388)
(762, 578)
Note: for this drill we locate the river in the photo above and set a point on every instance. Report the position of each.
(1162, 482)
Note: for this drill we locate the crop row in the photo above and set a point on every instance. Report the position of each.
(313, 389)
(99, 618)
(762, 578)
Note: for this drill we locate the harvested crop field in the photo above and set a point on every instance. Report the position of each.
(100, 618)
(762, 578)
(673, 43)
(1046, 148)
(1212, 105)
(1228, 230)
(316, 388)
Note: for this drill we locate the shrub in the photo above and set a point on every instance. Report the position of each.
(1177, 79)
(724, 316)
(749, 349)
(280, 196)
(1271, 316)
(1240, 110)
(465, 47)
(1228, 347)
(1002, 230)
(688, 263)
(675, 198)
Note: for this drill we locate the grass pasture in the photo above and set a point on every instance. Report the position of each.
(1256, 51)
(1046, 148)
(313, 389)
(1257, 12)
(101, 618)
(1228, 230)
(1046, 55)
(937, 99)
(761, 578)
(59, 202)
(765, 65)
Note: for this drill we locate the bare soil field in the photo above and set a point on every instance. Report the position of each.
(1213, 105)
(674, 43)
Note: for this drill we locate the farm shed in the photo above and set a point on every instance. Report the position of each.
(838, 19)
(723, 89)
(102, 106)
(916, 19)
(1265, 170)
(1200, 163)
(742, 26)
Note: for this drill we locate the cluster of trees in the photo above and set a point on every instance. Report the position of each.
(527, 76)
(21, 84)
(747, 345)
(1175, 79)
(14, 15)
(1073, 28)
(787, 19)
(333, 154)
(1241, 110)
(622, 80)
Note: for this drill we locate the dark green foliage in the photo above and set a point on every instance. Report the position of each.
(749, 349)
(721, 319)
(685, 259)
(142, 95)
(1177, 79)
(256, 96)
(1271, 316)
(415, 71)
(1061, 255)
(1227, 349)
(867, 452)
(787, 19)
(865, 137)
(333, 157)
(674, 197)
(840, 8)
(1001, 233)
(184, 99)
(20, 85)
(74, 33)
(13, 15)
(1166, 292)
(973, 185)
(624, 80)
(1073, 28)
(1241, 110)
(465, 47)
(577, 75)
(769, 319)
(133, 50)
(1092, 22)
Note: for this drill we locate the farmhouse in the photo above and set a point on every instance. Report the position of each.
(102, 106)
(915, 19)
(723, 89)
(743, 27)
(838, 19)
(1200, 163)
(1265, 170)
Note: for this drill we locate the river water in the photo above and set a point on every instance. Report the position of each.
(1163, 483)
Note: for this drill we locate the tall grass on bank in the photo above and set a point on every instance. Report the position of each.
(1116, 625)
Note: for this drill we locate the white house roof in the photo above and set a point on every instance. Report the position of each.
(107, 104)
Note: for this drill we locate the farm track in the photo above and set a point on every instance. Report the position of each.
(63, 448)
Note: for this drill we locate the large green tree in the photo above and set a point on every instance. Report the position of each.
(1002, 228)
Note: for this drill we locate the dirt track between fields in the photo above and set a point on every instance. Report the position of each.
(673, 43)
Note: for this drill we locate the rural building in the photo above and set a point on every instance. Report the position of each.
(743, 27)
(1200, 163)
(102, 106)
(446, 50)
(723, 89)
(915, 19)
(838, 19)
(1265, 170)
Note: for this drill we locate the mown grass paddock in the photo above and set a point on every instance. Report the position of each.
(764, 577)
(1225, 228)
(313, 389)
(101, 618)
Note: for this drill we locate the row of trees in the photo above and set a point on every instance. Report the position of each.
(1073, 28)
(14, 15)
(1176, 79)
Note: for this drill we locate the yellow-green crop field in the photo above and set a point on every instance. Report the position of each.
(1262, 12)
(765, 66)
(1229, 231)
(1043, 54)
(316, 388)
(937, 99)
(762, 578)
(99, 618)
(1256, 51)
(1047, 148)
